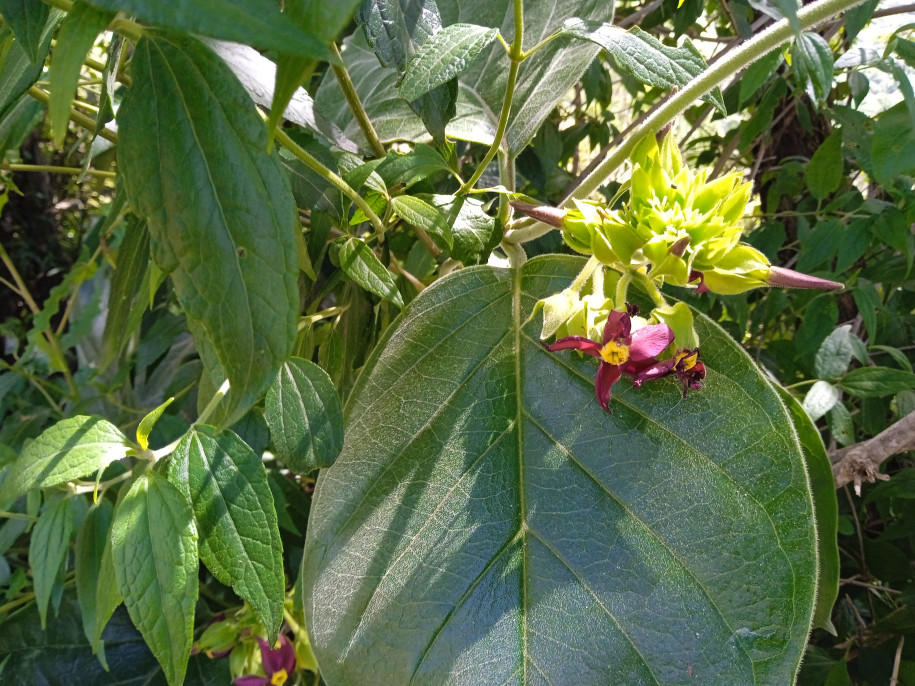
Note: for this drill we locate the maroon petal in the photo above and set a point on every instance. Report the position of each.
(693, 276)
(586, 345)
(618, 326)
(274, 660)
(649, 341)
(648, 370)
(544, 213)
(251, 680)
(607, 375)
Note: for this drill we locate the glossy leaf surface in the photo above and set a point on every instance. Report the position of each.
(239, 540)
(221, 215)
(499, 517)
(154, 549)
(363, 267)
(305, 418)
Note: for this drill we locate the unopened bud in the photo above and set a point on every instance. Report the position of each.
(788, 278)
(679, 247)
(544, 213)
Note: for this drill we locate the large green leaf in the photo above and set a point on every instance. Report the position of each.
(222, 219)
(226, 484)
(544, 78)
(486, 511)
(27, 20)
(70, 449)
(305, 418)
(154, 549)
(253, 22)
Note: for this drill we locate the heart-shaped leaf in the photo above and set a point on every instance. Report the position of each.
(486, 512)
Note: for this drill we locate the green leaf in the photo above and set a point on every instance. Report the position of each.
(422, 215)
(876, 382)
(891, 227)
(130, 290)
(856, 18)
(576, 542)
(836, 351)
(18, 73)
(27, 19)
(48, 549)
(70, 449)
(813, 64)
(841, 425)
(361, 265)
(154, 549)
(395, 31)
(78, 32)
(826, 170)
(819, 471)
(820, 399)
(108, 594)
(445, 55)
(253, 22)
(148, 423)
(545, 78)
(305, 418)
(868, 301)
(416, 165)
(91, 542)
(898, 356)
(239, 542)
(474, 233)
(757, 74)
(222, 219)
(642, 56)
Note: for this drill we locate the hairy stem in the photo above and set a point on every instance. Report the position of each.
(329, 176)
(355, 104)
(767, 41)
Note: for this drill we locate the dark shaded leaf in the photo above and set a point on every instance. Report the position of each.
(48, 549)
(826, 171)
(876, 382)
(18, 73)
(577, 542)
(129, 295)
(27, 19)
(90, 546)
(221, 215)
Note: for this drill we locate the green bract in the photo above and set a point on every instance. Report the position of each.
(675, 223)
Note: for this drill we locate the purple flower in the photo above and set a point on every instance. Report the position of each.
(278, 663)
(622, 351)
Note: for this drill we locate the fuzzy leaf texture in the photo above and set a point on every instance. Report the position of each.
(71, 449)
(499, 517)
(221, 215)
(239, 543)
(154, 550)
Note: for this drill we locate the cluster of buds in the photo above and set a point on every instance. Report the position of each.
(676, 227)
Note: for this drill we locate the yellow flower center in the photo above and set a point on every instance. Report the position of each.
(686, 359)
(279, 678)
(614, 353)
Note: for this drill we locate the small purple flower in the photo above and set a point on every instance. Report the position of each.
(278, 663)
(622, 351)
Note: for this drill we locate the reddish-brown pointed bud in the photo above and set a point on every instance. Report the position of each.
(544, 213)
(788, 278)
(679, 247)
